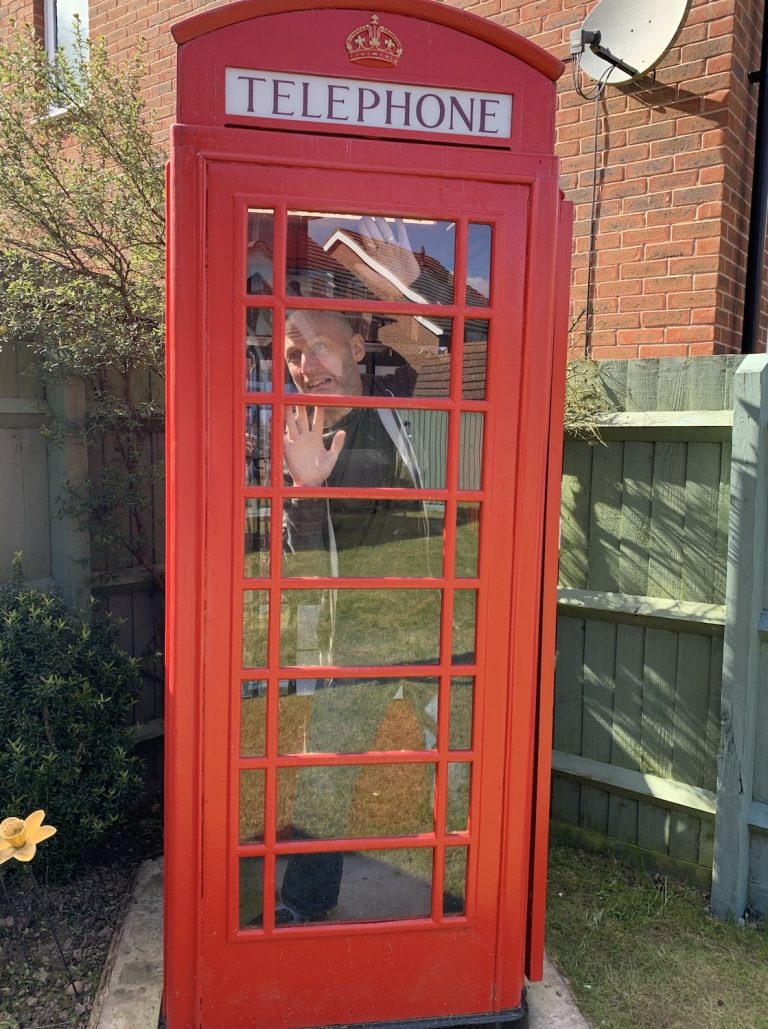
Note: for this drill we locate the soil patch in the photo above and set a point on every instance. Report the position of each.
(36, 990)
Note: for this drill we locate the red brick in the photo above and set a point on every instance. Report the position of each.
(692, 265)
(644, 302)
(703, 315)
(685, 333)
(721, 27)
(663, 319)
(640, 336)
(613, 353)
(669, 284)
(644, 236)
(695, 230)
(669, 215)
(686, 299)
(625, 288)
(680, 248)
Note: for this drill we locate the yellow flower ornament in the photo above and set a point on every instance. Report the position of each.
(19, 837)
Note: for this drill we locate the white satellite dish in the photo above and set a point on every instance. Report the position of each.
(622, 40)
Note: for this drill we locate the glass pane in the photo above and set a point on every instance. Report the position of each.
(335, 802)
(464, 614)
(335, 353)
(251, 892)
(478, 265)
(372, 538)
(470, 450)
(360, 627)
(258, 350)
(255, 627)
(258, 443)
(457, 811)
(380, 448)
(253, 713)
(251, 805)
(460, 728)
(261, 243)
(353, 716)
(370, 257)
(356, 886)
(475, 359)
(467, 538)
(68, 13)
(455, 880)
(257, 524)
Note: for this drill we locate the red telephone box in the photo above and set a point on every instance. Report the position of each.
(368, 277)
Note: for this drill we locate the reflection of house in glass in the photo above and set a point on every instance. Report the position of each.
(328, 256)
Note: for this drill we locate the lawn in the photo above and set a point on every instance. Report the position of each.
(642, 951)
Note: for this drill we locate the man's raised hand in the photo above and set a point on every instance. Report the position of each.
(308, 461)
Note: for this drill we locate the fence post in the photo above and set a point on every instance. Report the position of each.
(745, 594)
(68, 466)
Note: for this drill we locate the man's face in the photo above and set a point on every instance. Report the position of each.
(322, 353)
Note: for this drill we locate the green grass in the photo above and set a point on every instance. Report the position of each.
(642, 951)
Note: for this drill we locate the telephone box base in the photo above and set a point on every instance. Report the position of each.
(515, 1018)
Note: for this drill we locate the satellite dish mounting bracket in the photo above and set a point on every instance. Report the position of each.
(592, 40)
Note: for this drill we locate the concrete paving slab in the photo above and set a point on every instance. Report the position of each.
(551, 1004)
(131, 989)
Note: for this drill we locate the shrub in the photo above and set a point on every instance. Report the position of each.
(66, 692)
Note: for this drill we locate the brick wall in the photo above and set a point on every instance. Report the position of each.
(674, 172)
(674, 165)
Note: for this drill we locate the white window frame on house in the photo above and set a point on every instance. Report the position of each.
(51, 22)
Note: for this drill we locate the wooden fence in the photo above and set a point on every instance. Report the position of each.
(35, 474)
(662, 622)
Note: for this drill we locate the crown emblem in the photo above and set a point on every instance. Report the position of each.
(373, 45)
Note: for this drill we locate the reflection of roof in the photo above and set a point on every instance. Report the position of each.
(304, 255)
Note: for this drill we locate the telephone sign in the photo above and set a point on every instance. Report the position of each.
(262, 94)
(367, 309)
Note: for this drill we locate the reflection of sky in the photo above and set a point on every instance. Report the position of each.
(479, 257)
(479, 283)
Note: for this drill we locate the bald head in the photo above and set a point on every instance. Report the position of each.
(322, 353)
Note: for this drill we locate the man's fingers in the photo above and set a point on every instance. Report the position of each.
(369, 229)
(402, 234)
(318, 421)
(302, 419)
(290, 424)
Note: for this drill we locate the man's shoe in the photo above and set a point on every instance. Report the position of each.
(285, 914)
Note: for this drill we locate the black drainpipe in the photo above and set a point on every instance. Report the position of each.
(752, 290)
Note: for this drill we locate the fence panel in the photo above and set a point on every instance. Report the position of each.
(641, 615)
(55, 549)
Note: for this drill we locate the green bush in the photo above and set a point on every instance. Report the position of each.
(66, 692)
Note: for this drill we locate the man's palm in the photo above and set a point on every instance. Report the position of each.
(306, 456)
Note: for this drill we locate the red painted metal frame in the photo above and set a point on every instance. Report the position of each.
(423, 967)
(451, 49)
(534, 966)
(439, 14)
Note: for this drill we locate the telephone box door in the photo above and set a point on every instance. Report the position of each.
(366, 766)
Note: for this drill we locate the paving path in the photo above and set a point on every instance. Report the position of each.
(131, 988)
